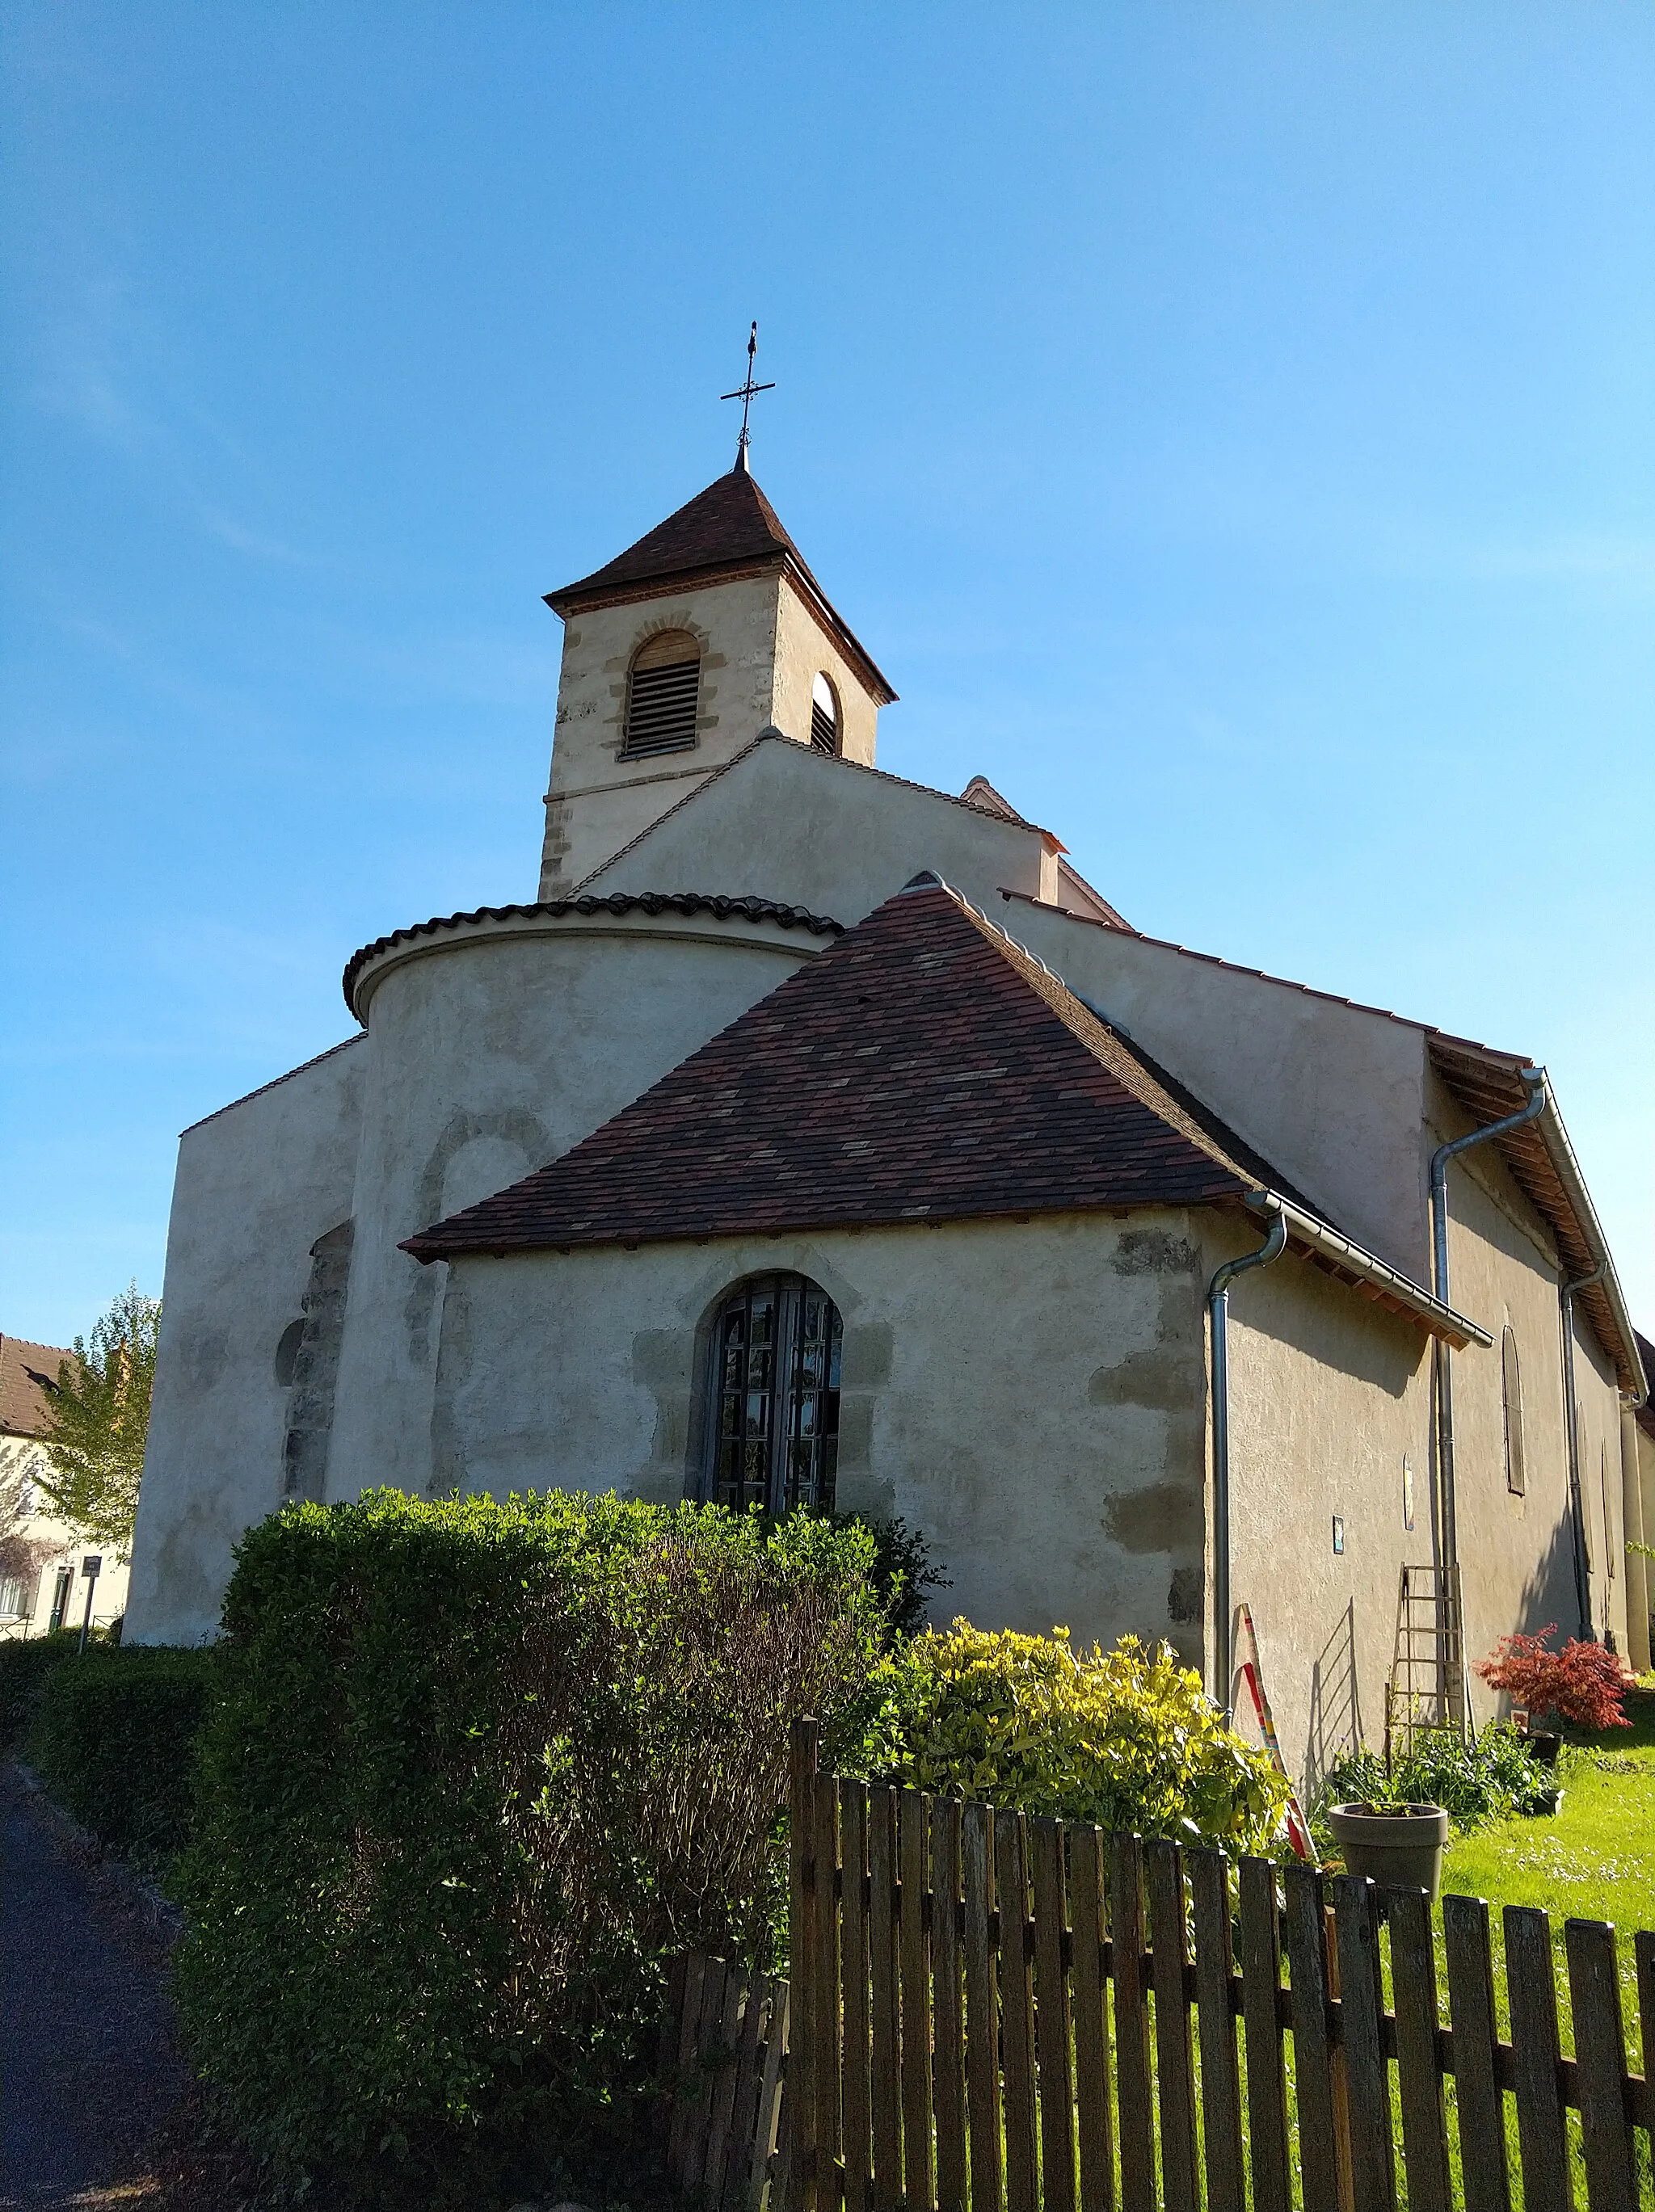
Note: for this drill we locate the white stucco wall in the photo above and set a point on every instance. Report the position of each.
(1030, 1395)
(257, 1185)
(1330, 1094)
(1329, 1396)
(491, 1049)
(788, 824)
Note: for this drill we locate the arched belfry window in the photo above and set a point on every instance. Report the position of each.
(773, 1425)
(824, 717)
(663, 695)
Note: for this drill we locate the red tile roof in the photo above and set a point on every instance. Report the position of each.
(22, 1395)
(924, 1068)
(729, 524)
(730, 527)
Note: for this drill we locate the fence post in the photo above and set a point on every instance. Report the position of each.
(799, 2101)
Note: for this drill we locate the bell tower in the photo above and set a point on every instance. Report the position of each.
(677, 654)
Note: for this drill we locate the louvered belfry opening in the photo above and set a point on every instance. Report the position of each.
(823, 718)
(662, 696)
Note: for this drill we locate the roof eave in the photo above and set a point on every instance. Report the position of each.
(1462, 1064)
(592, 594)
(1369, 1275)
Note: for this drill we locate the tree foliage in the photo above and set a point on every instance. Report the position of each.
(1583, 1682)
(98, 1419)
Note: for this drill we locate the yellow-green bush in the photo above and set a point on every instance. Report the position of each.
(1126, 1739)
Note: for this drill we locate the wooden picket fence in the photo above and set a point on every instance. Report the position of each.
(993, 2012)
(724, 2058)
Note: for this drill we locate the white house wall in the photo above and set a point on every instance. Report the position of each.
(257, 1185)
(1329, 1094)
(1029, 1395)
(491, 1050)
(790, 824)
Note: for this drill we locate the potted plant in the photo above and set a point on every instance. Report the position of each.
(1398, 1845)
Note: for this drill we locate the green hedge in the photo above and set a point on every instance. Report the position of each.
(476, 1773)
(115, 1741)
(25, 1663)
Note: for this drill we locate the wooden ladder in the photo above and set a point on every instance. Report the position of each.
(1427, 1687)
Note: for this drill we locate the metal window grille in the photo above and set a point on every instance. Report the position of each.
(663, 698)
(776, 1348)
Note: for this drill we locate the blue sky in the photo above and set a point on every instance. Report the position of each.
(1230, 428)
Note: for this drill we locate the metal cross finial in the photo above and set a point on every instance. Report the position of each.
(745, 393)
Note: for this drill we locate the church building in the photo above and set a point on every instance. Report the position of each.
(814, 1138)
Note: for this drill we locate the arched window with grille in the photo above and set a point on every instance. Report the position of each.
(824, 734)
(774, 1396)
(1517, 1479)
(663, 696)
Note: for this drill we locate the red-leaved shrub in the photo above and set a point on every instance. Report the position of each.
(1583, 1682)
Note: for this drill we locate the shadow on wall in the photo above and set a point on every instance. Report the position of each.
(1335, 1715)
(1548, 1596)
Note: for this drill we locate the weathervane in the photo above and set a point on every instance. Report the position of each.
(745, 393)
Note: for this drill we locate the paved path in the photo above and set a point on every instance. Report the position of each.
(87, 2067)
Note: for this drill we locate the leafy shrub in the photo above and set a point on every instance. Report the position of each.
(476, 1772)
(115, 1741)
(1583, 1682)
(904, 1571)
(1474, 1782)
(25, 1663)
(1126, 1739)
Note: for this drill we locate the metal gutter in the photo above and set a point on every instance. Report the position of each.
(1572, 1439)
(1218, 1316)
(1434, 1314)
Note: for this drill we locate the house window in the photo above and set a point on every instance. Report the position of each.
(663, 696)
(774, 1396)
(1517, 1481)
(16, 1599)
(824, 717)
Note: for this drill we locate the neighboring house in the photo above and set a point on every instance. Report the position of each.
(816, 1137)
(41, 1583)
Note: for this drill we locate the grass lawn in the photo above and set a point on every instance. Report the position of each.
(1593, 1860)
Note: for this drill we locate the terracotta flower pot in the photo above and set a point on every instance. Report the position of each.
(1400, 1850)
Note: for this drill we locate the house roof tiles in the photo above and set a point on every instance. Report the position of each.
(729, 529)
(924, 1068)
(26, 1370)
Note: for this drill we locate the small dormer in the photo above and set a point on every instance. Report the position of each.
(676, 655)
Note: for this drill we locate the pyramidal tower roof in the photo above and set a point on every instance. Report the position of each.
(728, 529)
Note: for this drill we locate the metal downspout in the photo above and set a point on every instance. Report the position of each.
(1218, 1312)
(1572, 1440)
(1534, 1081)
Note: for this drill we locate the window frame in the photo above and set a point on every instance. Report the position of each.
(1511, 1401)
(820, 728)
(789, 1459)
(682, 740)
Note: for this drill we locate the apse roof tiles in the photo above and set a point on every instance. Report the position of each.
(924, 1068)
